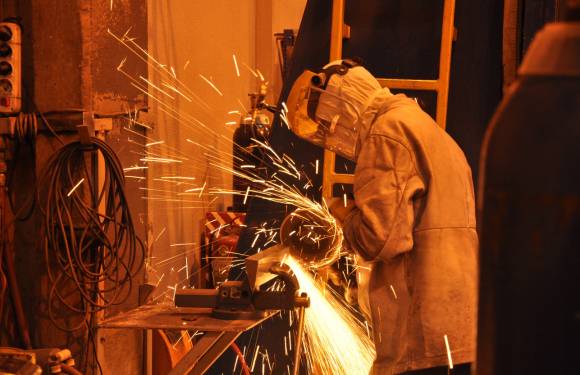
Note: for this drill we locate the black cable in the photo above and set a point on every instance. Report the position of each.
(97, 253)
(50, 128)
(25, 131)
(91, 334)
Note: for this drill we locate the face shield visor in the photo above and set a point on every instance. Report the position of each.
(331, 131)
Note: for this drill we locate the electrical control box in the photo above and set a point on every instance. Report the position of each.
(10, 67)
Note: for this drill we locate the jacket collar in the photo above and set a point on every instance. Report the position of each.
(377, 104)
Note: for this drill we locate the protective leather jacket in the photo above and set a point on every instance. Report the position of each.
(414, 222)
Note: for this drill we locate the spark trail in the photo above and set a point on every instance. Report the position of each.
(335, 341)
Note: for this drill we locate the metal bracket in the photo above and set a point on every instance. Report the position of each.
(87, 129)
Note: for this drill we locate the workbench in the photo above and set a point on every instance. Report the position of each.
(219, 333)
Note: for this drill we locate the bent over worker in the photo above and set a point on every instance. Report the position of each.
(413, 217)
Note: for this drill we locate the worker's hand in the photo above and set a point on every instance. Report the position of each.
(338, 209)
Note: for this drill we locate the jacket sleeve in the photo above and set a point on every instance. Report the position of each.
(386, 184)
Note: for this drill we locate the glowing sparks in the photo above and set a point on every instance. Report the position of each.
(449, 359)
(344, 199)
(236, 65)
(394, 293)
(255, 240)
(242, 105)
(135, 168)
(255, 357)
(212, 85)
(121, 64)
(202, 189)
(335, 342)
(251, 70)
(75, 187)
(154, 143)
(246, 195)
(186, 178)
(136, 177)
(159, 160)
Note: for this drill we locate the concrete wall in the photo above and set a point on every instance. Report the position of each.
(69, 64)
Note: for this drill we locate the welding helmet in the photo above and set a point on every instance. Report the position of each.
(324, 108)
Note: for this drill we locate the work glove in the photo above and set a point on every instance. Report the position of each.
(339, 210)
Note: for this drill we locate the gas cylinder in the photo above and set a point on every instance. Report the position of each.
(529, 211)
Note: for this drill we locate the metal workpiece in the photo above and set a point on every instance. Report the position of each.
(197, 298)
(310, 239)
(258, 265)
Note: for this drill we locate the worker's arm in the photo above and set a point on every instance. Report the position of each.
(339, 209)
(386, 181)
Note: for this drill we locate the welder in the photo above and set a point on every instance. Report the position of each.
(412, 219)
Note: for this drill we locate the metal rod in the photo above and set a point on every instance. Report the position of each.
(336, 34)
(298, 341)
(445, 61)
(99, 177)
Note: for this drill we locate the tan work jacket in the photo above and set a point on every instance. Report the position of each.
(415, 221)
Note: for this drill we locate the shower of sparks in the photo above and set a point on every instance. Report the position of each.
(75, 187)
(335, 342)
(448, 352)
(236, 65)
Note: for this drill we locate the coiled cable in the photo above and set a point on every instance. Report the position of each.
(91, 256)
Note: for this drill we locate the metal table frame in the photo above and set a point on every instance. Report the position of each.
(219, 334)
